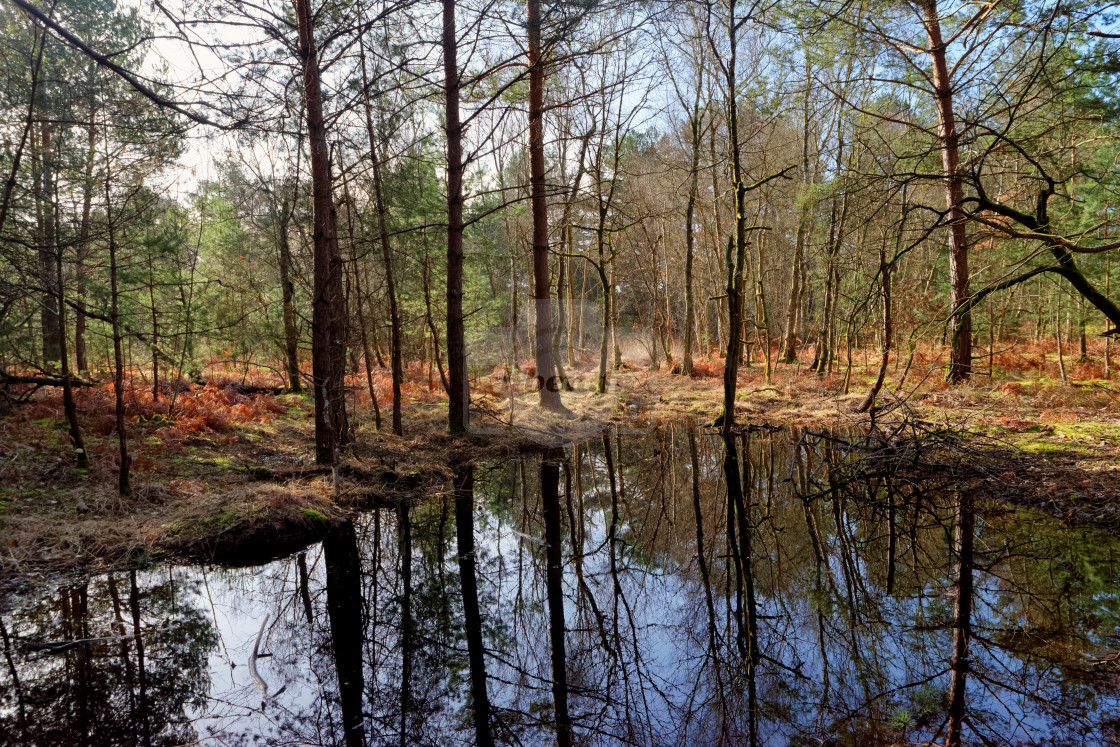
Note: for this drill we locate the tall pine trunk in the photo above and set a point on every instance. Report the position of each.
(458, 418)
(328, 333)
(80, 360)
(546, 369)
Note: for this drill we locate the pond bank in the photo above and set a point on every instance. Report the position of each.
(249, 491)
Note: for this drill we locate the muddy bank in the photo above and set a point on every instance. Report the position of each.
(242, 492)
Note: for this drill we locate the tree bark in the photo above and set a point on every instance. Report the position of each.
(363, 334)
(458, 416)
(960, 359)
(48, 248)
(563, 285)
(547, 384)
(80, 361)
(395, 361)
(736, 249)
(328, 333)
(796, 290)
(69, 406)
(690, 236)
(124, 486)
(287, 297)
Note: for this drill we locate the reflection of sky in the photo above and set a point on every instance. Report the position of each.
(237, 601)
(866, 659)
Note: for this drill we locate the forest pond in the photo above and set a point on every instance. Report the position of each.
(662, 587)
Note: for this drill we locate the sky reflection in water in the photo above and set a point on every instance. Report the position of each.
(823, 609)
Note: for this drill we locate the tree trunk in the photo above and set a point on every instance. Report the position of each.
(695, 122)
(962, 620)
(1082, 341)
(554, 583)
(762, 316)
(888, 332)
(615, 346)
(458, 417)
(363, 335)
(437, 356)
(328, 334)
(1058, 334)
(124, 486)
(287, 298)
(51, 331)
(563, 282)
(69, 406)
(960, 359)
(1108, 338)
(472, 615)
(155, 324)
(546, 370)
(344, 613)
(735, 257)
(404, 529)
(804, 214)
(604, 282)
(80, 361)
(396, 362)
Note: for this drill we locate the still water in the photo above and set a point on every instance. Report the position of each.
(655, 588)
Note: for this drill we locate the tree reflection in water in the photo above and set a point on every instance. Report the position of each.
(666, 588)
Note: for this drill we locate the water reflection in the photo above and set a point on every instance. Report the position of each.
(680, 588)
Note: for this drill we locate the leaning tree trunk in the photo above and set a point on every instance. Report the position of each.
(960, 359)
(888, 331)
(546, 377)
(328, 333)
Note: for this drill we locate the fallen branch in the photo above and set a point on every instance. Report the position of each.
(42, 380)
(253, 664)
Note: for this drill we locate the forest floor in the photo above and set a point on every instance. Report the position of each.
(232, 476)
